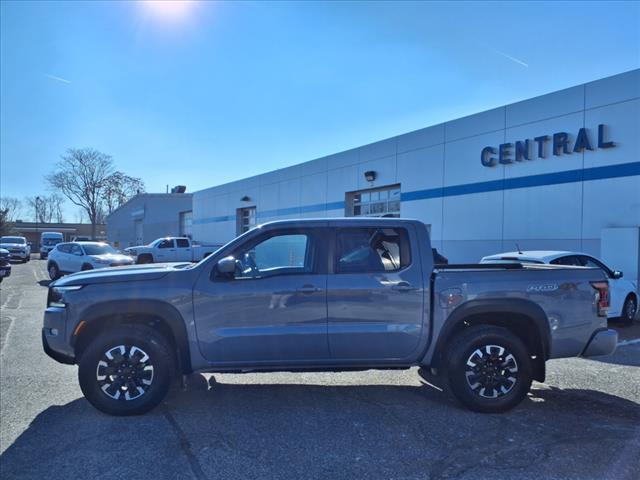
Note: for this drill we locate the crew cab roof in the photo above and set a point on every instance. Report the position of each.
(340, 222)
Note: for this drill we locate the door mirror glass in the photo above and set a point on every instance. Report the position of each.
(226, 265)
(617, 274)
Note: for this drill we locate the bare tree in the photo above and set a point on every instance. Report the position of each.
(119, 189)
(47, 208)
(9, 210)
(39, 208)
(80, 216)
(82, 176)
(56, 202)
(11, 207)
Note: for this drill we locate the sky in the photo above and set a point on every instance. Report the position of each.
(202, 93)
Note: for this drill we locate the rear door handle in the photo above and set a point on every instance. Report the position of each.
(307, 289)
(403, 287)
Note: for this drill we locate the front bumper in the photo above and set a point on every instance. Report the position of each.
(602, 342)
(54, 336)
(20, 255)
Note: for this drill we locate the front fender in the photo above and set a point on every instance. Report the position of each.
(164, 311)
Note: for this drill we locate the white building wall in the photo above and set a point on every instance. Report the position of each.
(441, 177)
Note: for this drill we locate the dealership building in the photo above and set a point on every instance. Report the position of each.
(560, 171)
(556, 172)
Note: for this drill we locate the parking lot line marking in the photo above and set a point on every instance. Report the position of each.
(633, 341)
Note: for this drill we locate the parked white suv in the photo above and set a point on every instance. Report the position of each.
(76, 256)
(18, 247)
(623, 292)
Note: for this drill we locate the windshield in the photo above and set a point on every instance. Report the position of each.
(51, 241)
(98, 249)
(20, 240)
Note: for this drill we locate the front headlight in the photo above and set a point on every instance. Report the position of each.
(55, 297)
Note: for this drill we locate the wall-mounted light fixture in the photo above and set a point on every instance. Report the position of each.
(370, 176)
(245, 199)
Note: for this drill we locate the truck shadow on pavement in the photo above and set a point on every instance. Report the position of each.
(327, 431)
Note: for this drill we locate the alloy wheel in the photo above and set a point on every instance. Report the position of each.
(492, 371)
(125, 372)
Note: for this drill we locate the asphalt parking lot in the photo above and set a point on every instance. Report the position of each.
(583, 423)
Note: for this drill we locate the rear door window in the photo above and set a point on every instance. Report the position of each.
(182, 243)
(570, 260)
(372, 250)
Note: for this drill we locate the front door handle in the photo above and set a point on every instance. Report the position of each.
(403, 287)
(307, 289)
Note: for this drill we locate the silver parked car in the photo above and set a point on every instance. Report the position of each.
(77, 256)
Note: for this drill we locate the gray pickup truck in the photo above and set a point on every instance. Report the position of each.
(324, 295)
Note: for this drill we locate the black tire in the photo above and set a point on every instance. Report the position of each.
(92, 367)
(53, 270)
(471, 384)
(43, 256)
(86, 266)
(629, 310)
(144, 258)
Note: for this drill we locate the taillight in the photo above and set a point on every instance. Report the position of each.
(602, 297)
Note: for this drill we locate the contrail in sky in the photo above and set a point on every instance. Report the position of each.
(513, 59)
(58, 79)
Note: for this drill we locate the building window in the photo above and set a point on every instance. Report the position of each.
(186, 221)
(375, 202)
(246, 219)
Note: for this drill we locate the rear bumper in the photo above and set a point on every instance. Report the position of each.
(54, 335)
(602, 342)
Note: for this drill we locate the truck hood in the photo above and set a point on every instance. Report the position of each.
(133, 273)
(13, 245)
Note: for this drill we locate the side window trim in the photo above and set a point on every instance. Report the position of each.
(311, 253)
(334, 260)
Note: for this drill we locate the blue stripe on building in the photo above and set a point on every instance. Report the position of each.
(556, 178)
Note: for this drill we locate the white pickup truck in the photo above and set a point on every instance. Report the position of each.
(171, 249)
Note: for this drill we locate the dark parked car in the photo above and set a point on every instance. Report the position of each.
(5, 264)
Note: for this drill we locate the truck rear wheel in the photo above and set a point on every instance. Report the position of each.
(489, 369)
(126, 370)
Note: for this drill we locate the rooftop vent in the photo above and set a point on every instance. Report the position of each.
(179, 189)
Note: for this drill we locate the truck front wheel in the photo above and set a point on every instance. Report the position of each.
(126, 370)
(144, 258)
(489, 369)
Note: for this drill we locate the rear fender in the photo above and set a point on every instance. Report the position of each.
(507, 312)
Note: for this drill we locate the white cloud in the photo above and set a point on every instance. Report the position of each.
(56, 78)
(513, 59)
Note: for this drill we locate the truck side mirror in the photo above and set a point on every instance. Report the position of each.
(226, 266)
(617, 274)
